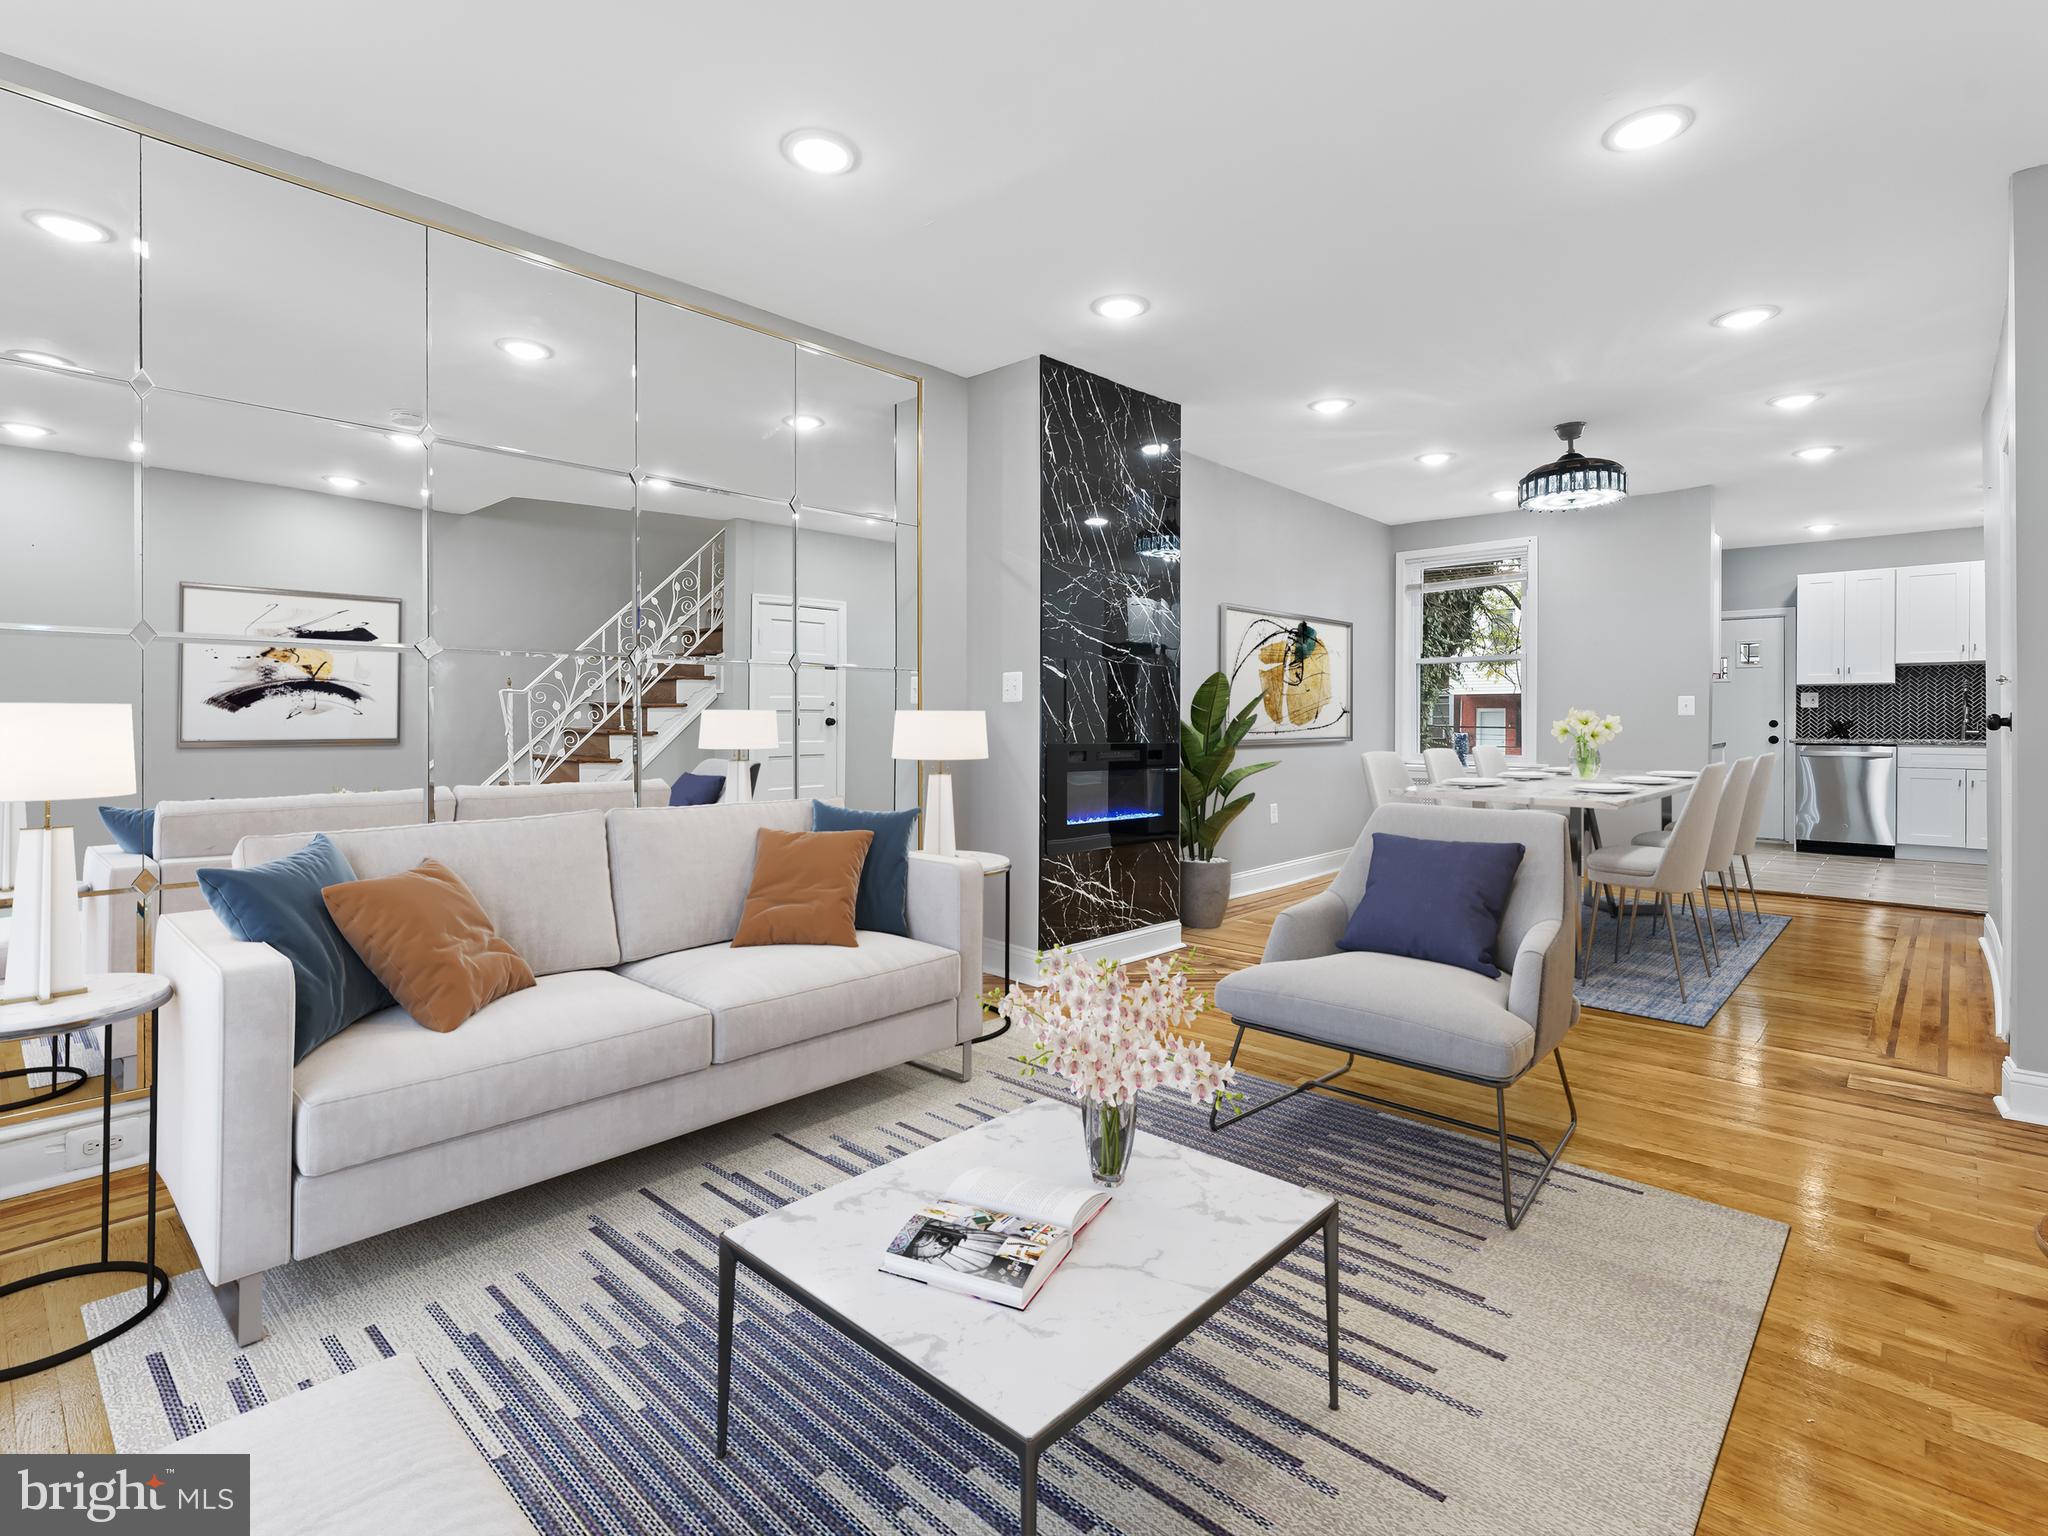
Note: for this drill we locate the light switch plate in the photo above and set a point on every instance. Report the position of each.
(1273, 812)
(1013, 687)
(1685, 703)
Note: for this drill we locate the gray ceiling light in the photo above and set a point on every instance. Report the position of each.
(1572, 480)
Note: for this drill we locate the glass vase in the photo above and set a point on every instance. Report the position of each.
(1585, 760)
(1109, 1130)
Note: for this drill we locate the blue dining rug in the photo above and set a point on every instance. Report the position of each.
(1642, 982)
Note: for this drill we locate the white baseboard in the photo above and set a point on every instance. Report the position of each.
(1270, 877)
(1994, 959)
(1138, 944)
(2025, 1095)
(32, 1151)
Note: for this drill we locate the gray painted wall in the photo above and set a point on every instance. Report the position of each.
(1767, 575)
(1248, 541)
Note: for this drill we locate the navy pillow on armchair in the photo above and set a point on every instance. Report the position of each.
(1432, 899)
(696, 789)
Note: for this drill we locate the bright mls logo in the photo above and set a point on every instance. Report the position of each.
(168, 1495)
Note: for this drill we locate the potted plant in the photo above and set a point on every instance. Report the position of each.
(1209, 739)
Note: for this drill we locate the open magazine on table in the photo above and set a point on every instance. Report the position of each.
(996, 1234)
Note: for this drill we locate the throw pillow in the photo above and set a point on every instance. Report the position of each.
(134, 831)
(805, 888)
(1431, 899)
(884, 901)
(430, 942)
(279, 904)
(696, 789)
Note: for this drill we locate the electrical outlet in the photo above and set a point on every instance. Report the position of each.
(1013, 687)
(82, 1146)
(1685, 703)
(1273, 812)
(1810, 699)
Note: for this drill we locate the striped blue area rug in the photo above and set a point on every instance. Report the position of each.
(1574, 1376)
(1642, 981)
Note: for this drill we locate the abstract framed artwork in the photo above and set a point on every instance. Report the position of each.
(1297, 668)
(287, 687)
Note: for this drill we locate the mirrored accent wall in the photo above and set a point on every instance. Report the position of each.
(342, 501)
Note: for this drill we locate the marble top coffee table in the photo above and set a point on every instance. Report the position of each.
(1185, 1234)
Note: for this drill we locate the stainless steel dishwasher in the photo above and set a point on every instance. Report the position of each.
(1848, 798)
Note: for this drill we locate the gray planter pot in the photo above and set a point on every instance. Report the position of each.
(1204, 892)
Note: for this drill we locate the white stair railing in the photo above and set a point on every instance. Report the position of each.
(578, 696)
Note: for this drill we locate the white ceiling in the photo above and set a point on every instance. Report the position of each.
(1404, 204)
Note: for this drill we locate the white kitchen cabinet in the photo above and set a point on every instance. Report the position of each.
(1976, 789)
(1932, 807)
(1820, 628)
(1869, 626)
(1979, 650)
(1934, 612)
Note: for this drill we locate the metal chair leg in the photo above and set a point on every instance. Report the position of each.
(1635, 905)
(1728, 902)
(1618, 898)
(1671, 933)
(1707, 901)
(1593, 928)
(1751, 878)
(1699, 935)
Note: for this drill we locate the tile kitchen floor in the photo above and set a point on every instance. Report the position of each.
(1906, 882)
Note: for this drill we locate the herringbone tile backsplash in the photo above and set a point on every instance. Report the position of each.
(1927, 703)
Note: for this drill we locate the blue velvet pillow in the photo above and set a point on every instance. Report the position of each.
(1434, 900)
(279, 904)
(696, 789)
(883, 901)
(135, 831)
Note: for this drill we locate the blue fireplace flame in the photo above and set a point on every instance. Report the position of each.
(1083, 819)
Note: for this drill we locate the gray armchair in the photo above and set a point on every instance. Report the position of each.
(1415, 1013)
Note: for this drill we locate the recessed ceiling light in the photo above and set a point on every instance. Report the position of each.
(403, 440)
(804, 423)
(1648, 128)
(1820, 527)
(1121, 306)
(46, 360)
(343, 482)
(1748, 318)
(69, 226)
(1795, 402)
(135, 445)
(1152, 450)
(526, 351)
(1097, 521)
(1331, 407)
(820, 151)
(1434, 459)
(1815, 454)
(27, 431)
(1505, 495)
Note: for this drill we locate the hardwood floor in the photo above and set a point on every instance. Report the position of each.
(1900, 1380)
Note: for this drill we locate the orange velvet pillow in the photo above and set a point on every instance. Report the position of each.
(428, 941)
(804, 889)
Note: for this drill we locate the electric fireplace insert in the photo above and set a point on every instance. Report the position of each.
(1110, 792)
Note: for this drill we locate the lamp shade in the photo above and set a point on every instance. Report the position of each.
(66, 751)
(736, 730)
(940, 735)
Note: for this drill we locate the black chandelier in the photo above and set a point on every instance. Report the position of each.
(1573, 480)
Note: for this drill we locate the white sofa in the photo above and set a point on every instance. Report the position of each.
(646, 1023)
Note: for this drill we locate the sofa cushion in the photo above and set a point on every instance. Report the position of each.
(188, 827)
(776, 995)
(680, 873)
(1436, 1016)
(542, 880)
(486, 802)
(388, 1086)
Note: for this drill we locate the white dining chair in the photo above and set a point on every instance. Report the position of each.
(1752, 823)
(1490, 760)
(1735, 806)
(1674, 870)
(1386, 779)
(1442, 764)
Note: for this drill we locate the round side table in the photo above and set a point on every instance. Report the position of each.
(995, 864)
(106, 1000)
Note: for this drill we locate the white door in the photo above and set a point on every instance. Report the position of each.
(1749, 705)
(1820, 628)
(808, 702)
(1934, 612)
(1931, 807)
(1979, 651)
(1869, 624)
(1976, 809)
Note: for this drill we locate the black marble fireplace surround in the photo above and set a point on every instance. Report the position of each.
(1109, 631)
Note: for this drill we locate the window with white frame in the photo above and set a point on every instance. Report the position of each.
(1466, 663)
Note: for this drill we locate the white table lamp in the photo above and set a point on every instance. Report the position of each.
(738, 731)
(940, 736)
(56, 752)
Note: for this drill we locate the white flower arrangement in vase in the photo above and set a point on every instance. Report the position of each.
(1586, 731)
(1111, 1034)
